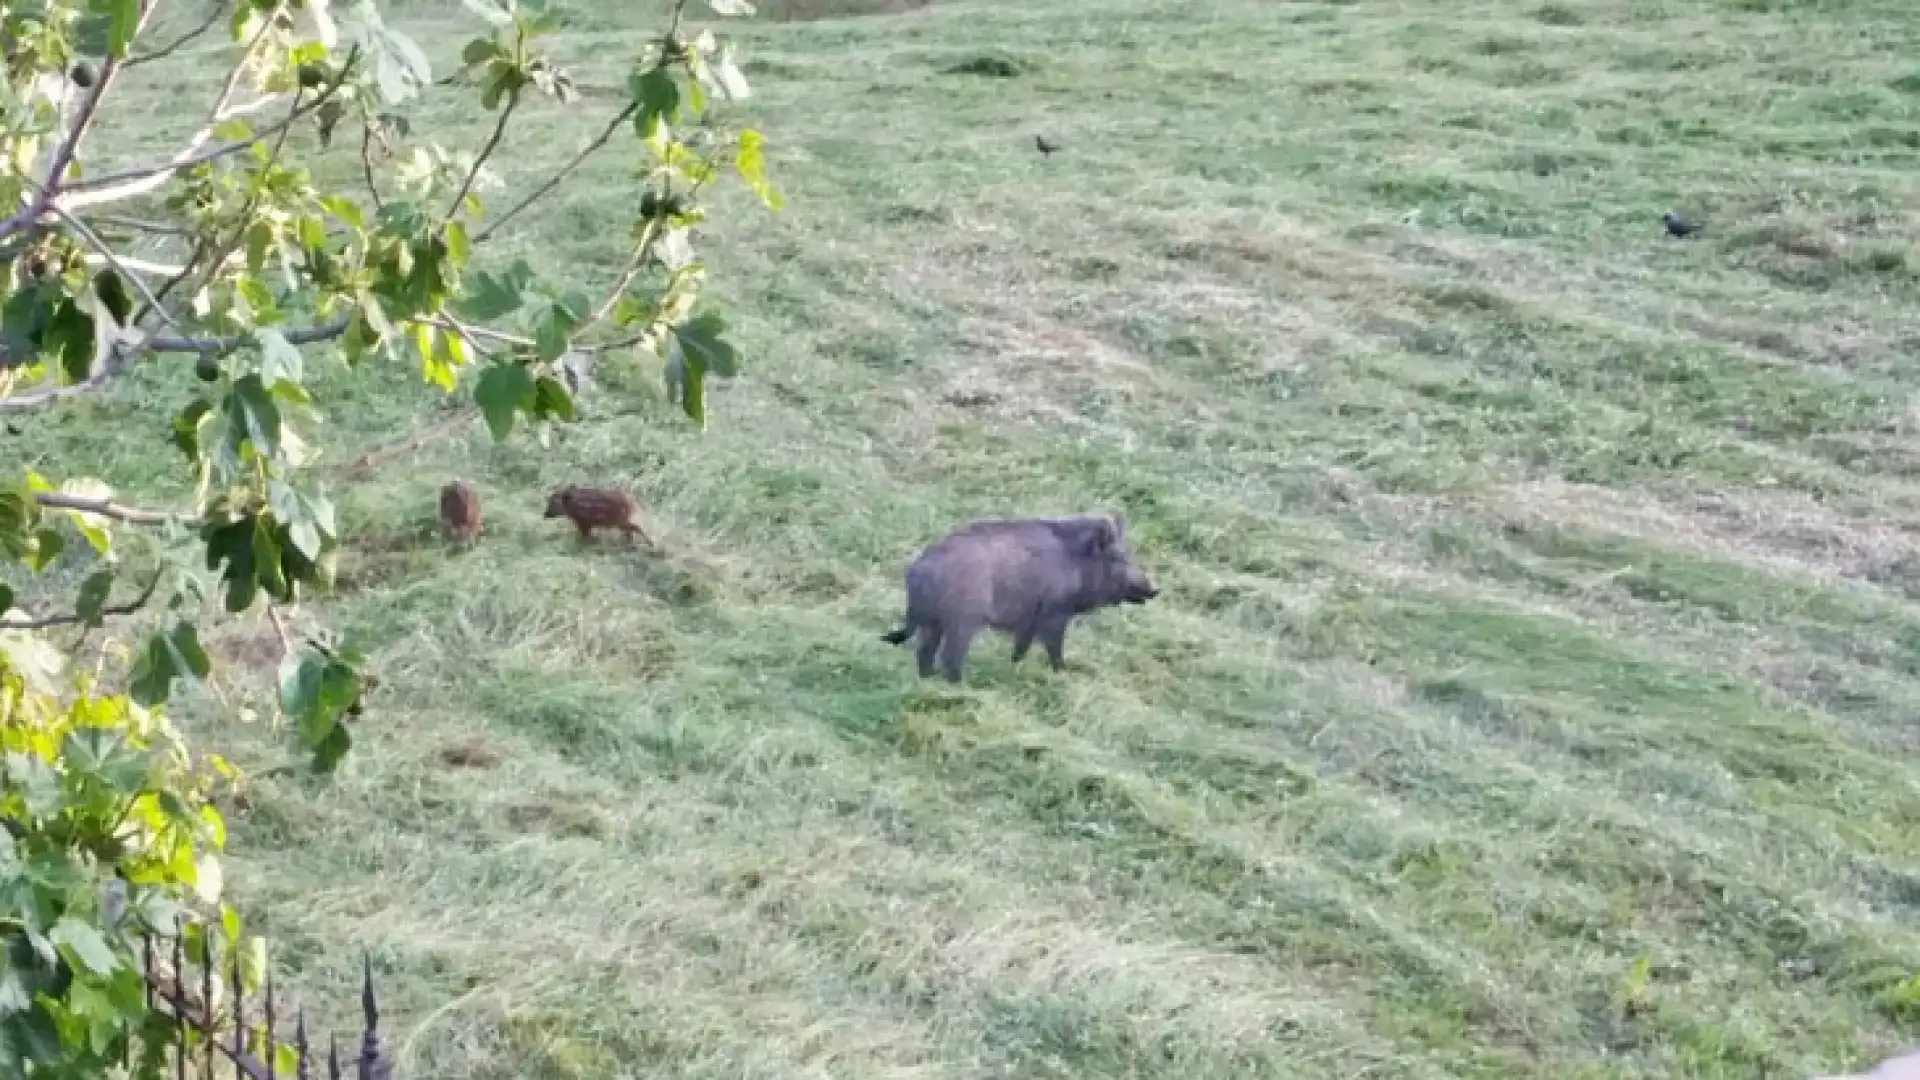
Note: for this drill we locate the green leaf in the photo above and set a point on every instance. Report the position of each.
(657, 94)
(503, 391)
(123, 24)
(433, 362)
(458, 247)
(69, 336)
(315, 692)
(85, 944)
(6, 598)
(280, 361)
(169, 655)
(345, 210)
(255, 416)
(112, 292)
(269, 568)
(551, 400)
(701, 337)
(493, 296)
(296, 513)
(686, 382)
(234, 129)
(232, 544)
(552, 335)
(92, 599)
(46, 547)
(751, 162)
(188, 424)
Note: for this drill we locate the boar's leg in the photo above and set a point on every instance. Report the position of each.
(1023, 637)
(1053, 637)
(955, 640)
(929, 645)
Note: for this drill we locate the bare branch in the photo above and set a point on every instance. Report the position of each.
(107, 508)
(93, 240)
(48, 621)
(553, 181)
(118, 221)
(213, 16)
(181, 164)
(366, 163)
(480, 159)
(135, 188)
(42, 398)
(306, 335)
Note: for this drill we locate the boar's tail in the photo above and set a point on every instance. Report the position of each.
(898, 637)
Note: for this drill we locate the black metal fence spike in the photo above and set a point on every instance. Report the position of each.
(372, 1065)
(303, 1070)
(267, 1010)
(239, 1013)
(180, 995)
(206, 1000)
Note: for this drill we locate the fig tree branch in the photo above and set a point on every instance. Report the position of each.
(107, 508)
(486, 151)
(553, 181)
(45, 622)
(213, 16)
(182, 163)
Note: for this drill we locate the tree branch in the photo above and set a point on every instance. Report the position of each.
(366, 162)
(213, 16)
(135, 188)
(180, 164)
(492, 143)
(41, 398)
(107, 508)
(553, 181)
(45, 622)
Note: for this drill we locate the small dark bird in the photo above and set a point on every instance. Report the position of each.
(1044, 146)
(1679, 226)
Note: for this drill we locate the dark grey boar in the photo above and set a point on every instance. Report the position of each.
(1028, 578)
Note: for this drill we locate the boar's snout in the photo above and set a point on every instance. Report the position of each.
(1139, 589)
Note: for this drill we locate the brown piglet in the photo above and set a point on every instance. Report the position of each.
(460, 510)
(597, 508)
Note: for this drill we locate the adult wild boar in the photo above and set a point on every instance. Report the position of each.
(1027, 578)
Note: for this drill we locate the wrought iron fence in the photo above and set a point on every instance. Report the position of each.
(212, 1023)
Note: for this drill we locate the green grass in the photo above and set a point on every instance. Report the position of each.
(1534, 684)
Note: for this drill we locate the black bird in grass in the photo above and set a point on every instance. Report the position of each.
(1044, 146)
(1679, 226)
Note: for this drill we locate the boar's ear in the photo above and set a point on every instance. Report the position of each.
(1119, 526)
(1104, 536)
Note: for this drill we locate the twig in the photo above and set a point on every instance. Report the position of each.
(69, 145)
(134, 188)
(213, 16)
(107, 508)
(627, 274)
(366, 162)
(368, 461)
(553, 181)
(46, 621)
(279, 128)
(280, 628)
(41, 398)
(492, 143)
(120, 221)
(113, 260)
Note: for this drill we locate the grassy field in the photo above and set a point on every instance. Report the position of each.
(1535, 682)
